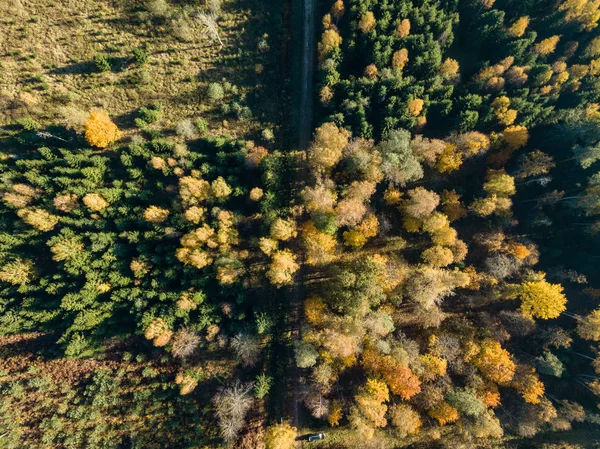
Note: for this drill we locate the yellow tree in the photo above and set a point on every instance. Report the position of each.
(282, 268)
(449, 69)
(283, 229)
(584, 12)
(518, 28)
(528, 384)
(371, 71)
(438, 256)
(403, 28)
(499, 183)
(450, 159)
(39, 219)
(415, 107)
(515, 137)
(329, 42)
(540, 299)
(155, 214)
(338, 9)
(280, 436)
(494, 362)
(589, 326)
(320, 247)
(400, 58)
(367, 22)
(326, 148)
(547, 46)
(444, 413)
(17, 272)
(100, 131)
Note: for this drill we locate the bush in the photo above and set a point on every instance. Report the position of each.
(140, 55)
(157, 7)
(201, 126)
(215, 92)
(29, 124)
(186, 129)
(102, 63)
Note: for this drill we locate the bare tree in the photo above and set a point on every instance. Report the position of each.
(185, 343)
(232, 403)
(247, 347)
(209, 21)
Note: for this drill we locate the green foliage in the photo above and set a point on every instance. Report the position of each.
(262, 386)
(140, 55)
(102, 63)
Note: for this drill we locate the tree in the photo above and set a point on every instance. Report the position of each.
(17, 272)
(438, 256)
(326, 148)
(39, 219)
(280, 436)
(450, 69)
(452, 206)
(584, 12)
(400, 58)
(399, 164)
(466, 402)
(247, 347)
(515, 137)
(427, 150)
(494, 362)
(586, 155)
(536, 163)
(100, 131)
(329, 42)
(588, 327)
(405, 419)
(420, 203)
(306, 354)
(540, 299)
(450, 159)
(549, 364)
(320, 247)
(547, 46)
(232, 403)
(185, 343)
(499, 183)
(283, 229)
(282, 268)
(338, 9)
(220, 189)
(403, 28)
(444, 413)
(156, 215)
(367, 22)
(528, 384)
(371, 71)
(415, 107)
(518, 28)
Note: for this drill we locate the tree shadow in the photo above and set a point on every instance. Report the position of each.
(77, 68)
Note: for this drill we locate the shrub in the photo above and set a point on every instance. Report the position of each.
(215, 92)
(100, 131)
(140, 55)
(102, 63)
(186, 129)
(201, 126)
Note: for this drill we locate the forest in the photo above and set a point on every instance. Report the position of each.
(179, 270)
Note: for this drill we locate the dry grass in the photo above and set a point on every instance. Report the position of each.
(48, 47)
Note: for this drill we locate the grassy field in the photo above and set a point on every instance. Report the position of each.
(48, 69)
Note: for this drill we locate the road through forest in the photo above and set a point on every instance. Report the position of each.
(307, 73)
(304, 134)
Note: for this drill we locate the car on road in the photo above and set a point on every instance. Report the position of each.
(316, 437)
